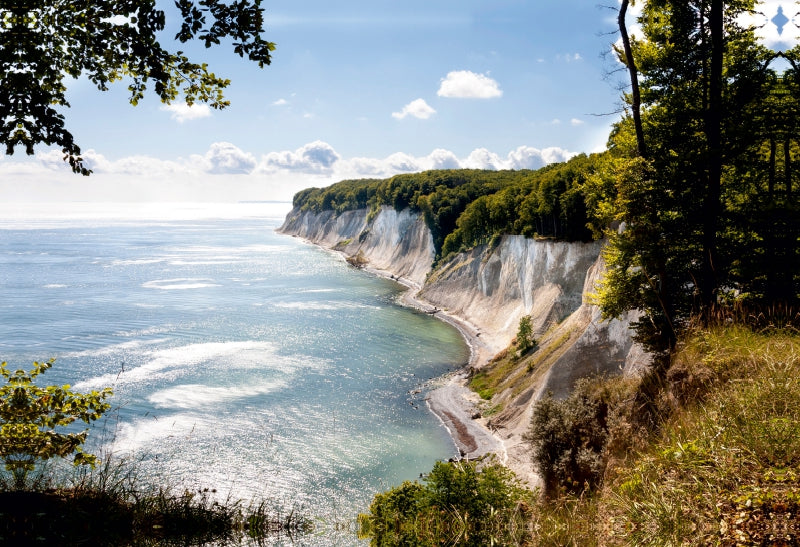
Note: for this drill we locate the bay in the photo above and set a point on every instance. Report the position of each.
(242, 360)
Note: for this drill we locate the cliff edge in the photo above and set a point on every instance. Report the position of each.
(485, 292)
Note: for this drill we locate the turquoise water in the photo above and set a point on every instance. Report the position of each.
(241, 359)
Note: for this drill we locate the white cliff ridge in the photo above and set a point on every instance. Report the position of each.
(485, 292)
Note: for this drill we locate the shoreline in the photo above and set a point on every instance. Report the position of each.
(449, 398)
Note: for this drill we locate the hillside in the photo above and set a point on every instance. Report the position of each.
(486, 290)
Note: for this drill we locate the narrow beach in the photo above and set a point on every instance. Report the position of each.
(450, 399)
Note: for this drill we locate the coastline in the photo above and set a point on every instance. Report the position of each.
(450, 399)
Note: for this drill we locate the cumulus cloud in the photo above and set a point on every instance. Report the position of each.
(277, 175)
(463, 84)
(482, 158)
(418, 109)
(182, 112)
(280, 102)
(443, 159)
(576, 121)
(315, 157)
(526, 157)
(224, 158)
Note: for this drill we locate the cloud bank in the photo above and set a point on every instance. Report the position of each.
(226, 172)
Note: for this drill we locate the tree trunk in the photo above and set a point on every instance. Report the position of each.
(636, 101)
(713, 130)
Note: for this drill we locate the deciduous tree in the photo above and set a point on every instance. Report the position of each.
(44, 42)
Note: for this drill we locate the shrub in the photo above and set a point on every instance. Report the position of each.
(568, 439)
(525, 340)
(30, 416)
(457, 499)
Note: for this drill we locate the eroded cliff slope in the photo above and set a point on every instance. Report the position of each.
(491, 289)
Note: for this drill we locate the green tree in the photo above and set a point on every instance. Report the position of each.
(32, 418)
(568, 438)
(525, 340)
(41, 43)
(695, 139)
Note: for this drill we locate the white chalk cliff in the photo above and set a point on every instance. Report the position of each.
(490, 290)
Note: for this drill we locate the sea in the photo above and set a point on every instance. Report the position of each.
(243, 361)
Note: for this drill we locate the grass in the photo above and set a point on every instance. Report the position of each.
(110, 506)
(706, 452)
(722, 468)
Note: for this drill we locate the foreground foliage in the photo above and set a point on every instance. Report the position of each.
(718, 462)
(33, 419)
(460, 503)
(112, 505)
(703, 178)
(42, 43)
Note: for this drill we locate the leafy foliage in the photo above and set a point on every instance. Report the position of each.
(467, 207)
(525, 340)
(568, 438)
(697, 182)
(42, 43)
(31, 418)
(458, 500)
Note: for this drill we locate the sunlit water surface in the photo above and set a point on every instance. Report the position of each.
(241, 359)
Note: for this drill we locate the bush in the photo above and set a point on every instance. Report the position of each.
(457, 499)
(525, 340)
(568, 439)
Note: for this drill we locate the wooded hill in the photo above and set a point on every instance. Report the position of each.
(468, 207)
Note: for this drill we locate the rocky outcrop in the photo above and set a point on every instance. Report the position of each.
(490, 290)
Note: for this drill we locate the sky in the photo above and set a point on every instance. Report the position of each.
(356, 89)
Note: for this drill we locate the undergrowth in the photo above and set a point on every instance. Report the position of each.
(704, 451)
(112, 505)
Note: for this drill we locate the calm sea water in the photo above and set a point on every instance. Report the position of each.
(241, 359)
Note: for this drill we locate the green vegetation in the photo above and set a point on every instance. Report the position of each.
(703, 453)
(701, 173)
(467, 207)
(525, 339)
(109, 505)
(43, 43)
(32, 419)
(457, 503)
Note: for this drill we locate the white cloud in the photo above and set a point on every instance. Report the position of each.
(280, 102)
(483, 159)
(182, 112)
(463, 84)
(277, 175)
(315, 157)
(526, 157)
(224, 158)
(576, 121)
(443, 159)
(417, 108)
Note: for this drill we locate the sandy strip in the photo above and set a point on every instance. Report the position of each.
(451, 400)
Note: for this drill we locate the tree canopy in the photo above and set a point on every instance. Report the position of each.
(32, 420)
(704, 185)
(465, 208)
(44, 42)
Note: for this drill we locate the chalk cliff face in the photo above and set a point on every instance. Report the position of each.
(491, 289)
(396, 242)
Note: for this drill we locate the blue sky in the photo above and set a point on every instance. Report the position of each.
(357, 88)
